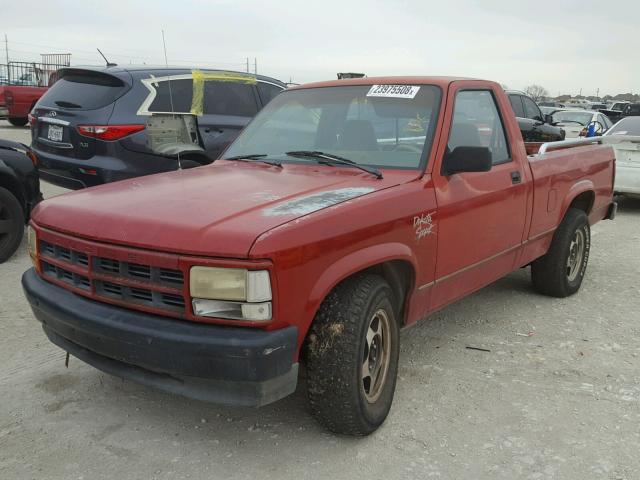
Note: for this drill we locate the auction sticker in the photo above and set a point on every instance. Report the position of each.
(394, 91)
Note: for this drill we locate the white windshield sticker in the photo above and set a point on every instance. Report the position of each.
(394, 91)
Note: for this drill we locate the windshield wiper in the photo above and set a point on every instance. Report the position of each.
(255, 157)
(330, 159)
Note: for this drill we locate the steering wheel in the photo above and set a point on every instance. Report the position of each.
(407, 147)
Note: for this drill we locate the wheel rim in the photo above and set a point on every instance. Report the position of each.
(576, 255)
(376, 355)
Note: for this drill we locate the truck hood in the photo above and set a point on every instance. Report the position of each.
(216, 210)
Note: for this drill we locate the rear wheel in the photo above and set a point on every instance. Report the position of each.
(11, 224)
(352, 356)
(560, 271)
(18, 121)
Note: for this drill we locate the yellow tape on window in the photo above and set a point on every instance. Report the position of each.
(199, 77)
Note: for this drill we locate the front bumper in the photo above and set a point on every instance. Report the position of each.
(220, 364)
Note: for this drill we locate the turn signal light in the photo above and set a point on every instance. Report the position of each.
(108, 132)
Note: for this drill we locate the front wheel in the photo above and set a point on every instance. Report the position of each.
(352, 356)
(560, 271)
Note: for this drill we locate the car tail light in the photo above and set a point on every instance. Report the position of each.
(32, 120)
(108, 132)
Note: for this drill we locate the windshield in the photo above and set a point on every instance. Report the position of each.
(380, 125)
(583, 118)
(626, 126)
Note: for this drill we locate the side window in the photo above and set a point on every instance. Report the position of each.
(181, 91)
(267, 91)
(605, 121)
(477, 123)
(229, 98)
(531, 110)
(516, 104)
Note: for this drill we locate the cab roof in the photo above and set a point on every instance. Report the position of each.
(442, 82)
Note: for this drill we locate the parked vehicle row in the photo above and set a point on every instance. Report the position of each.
(312, 241)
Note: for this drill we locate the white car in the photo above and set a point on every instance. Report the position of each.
(624, 137)
(576, 122)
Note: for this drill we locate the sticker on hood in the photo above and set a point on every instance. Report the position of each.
(317, 201)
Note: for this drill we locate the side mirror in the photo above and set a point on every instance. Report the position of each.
(548, 119)
(467, 159)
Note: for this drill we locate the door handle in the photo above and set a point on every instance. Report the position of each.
(515, 177)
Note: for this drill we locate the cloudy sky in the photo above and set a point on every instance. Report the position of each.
(564, 45)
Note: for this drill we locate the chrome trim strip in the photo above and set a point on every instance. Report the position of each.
(541, 234)
(55, 121)
(67, 146)
(477, 264)
(488, 259)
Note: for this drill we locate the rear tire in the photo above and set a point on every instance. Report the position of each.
(18, 121)
(352, 356)
(11, 224)
(560, 271)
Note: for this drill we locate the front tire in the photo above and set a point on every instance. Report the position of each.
(352, 356)
(560, 271)
(11, 224)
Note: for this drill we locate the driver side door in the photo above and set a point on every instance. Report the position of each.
(481, 215)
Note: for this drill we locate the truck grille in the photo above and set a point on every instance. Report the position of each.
(116, 280)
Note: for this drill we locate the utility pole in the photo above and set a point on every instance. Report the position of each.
(6, 48)
(255, 66)
(247, 64)
(598, 93)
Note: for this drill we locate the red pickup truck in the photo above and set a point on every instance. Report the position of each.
(345, 211)
(16, 101)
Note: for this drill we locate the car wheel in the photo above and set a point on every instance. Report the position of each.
(352, 356)
(18, 121)
(11, 224)
(560, 271)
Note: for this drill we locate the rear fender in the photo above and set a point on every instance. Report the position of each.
(579, 188)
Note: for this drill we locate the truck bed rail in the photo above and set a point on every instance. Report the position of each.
(578, 142)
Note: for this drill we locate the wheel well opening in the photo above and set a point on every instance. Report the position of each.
(400, 276)
(583, 202)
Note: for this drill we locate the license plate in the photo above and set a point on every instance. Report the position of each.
(54, 133)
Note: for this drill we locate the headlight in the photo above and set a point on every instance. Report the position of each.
(32, 243)
(234, 293)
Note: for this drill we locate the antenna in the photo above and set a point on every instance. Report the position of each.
(109, 64)
(166, 64)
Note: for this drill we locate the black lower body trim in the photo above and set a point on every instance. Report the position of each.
(228, 365)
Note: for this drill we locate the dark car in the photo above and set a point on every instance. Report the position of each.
(621, 110)
(19, 193)
(91, 126)
(534, 125)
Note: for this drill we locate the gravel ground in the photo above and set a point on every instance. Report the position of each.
(563, 403)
